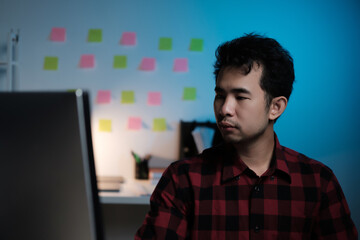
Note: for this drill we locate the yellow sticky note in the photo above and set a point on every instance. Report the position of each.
(105, 125)
(127, 97)
(159, 125)
(51, 63)
(95, 35)
(119, 61)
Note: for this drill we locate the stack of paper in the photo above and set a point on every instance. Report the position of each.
(109, 184)
(203, 137)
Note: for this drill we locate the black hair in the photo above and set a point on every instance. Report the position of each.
(278, 68)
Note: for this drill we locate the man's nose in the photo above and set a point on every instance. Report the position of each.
(228, 107)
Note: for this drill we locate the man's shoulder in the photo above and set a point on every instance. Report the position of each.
(300, 162)
(210, 156)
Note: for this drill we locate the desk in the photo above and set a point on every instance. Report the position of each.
(131, 192)
(117, 198)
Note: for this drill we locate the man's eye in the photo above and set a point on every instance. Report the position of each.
(241, 98)
(218, 96)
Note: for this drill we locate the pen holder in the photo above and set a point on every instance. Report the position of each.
(142, 170)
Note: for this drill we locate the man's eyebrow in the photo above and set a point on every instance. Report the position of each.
(234, 90)
(218, 89)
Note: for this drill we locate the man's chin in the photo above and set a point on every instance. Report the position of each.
(231, 139)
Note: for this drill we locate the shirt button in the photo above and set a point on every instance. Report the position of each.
(237, 178)
(272, 178)
(257, 229)
(257, 188)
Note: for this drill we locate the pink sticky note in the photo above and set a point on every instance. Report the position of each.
(147, 64)
(181, 65)
(128, 38)
(87, 61)
(134, 123)
(58, 34)
(103, 96)
(154, 98)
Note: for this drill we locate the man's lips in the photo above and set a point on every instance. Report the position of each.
(226, 125)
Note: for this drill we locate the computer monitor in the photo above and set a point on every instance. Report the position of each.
(47, 174)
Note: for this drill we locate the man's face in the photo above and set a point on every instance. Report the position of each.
(239, 105)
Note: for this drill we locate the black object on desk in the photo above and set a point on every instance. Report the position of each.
(47, 172)
(142, 169)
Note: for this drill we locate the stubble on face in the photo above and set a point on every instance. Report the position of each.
(240, 106)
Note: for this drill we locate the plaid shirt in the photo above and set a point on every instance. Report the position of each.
(216, 196)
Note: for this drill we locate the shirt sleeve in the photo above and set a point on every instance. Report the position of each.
(169, 203)
(334, 220)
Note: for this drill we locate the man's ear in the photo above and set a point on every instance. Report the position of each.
(277, 107)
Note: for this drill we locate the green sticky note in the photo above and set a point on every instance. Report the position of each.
(159, 125)
(127, 97)
(189, 93)
(51, 63)
(105, 125)
(196, 44)
(95, 35)
(120, 62)
(165, 43)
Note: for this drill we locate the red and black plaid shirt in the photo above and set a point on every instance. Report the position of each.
(216, 196)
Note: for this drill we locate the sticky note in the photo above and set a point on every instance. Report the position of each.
(159, 125)
(58, 34)
(189, 93)
(128, 38)
(127, 97)
(51, 63)
(103, 96)
(154, 98)
(147, 64)
(105, 125)
(94, 35)
(120, 62)
(134, 123)
(87, 61)
(165, 43)
(181, 65)
(196, 44)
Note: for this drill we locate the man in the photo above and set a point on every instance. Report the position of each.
(250, 187)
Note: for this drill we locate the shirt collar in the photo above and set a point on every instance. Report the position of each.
(280, 159)
(233, 166)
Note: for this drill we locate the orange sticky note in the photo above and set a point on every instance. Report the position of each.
(154, 98)
(103, 96)
(147, 64)
(181, 65)
(58, 34)
(134, 123)
(128, 38)
(87, 61)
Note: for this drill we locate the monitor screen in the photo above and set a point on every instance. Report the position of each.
(47, 173)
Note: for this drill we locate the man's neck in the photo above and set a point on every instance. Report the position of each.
(257, 154)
